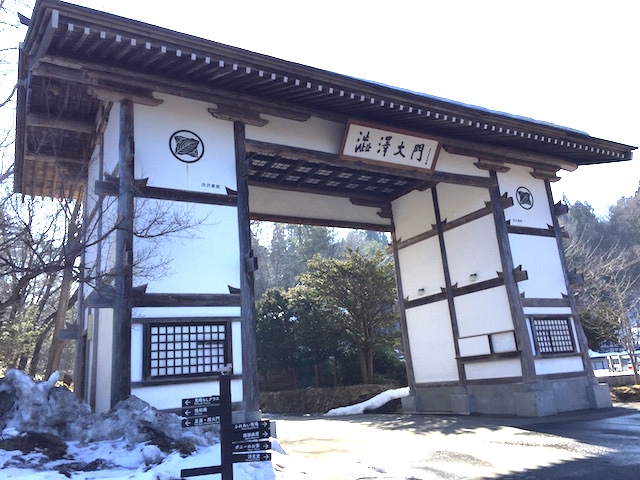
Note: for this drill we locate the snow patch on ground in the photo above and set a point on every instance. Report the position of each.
(371, 404)
(46, 433)
(66, 440)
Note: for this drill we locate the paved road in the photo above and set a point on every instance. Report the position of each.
(583, 445)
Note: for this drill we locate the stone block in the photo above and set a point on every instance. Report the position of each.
(599, 396)
(462, 404)
(535, 404)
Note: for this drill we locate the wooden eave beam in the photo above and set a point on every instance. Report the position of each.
(156, 36)
(88, 73)
(39, 49)
(495, 154)
(42, 121)
(285, 110)
(322, 222)
(53, 159)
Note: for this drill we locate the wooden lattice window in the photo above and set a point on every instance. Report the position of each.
(175, 349)
(552, 335)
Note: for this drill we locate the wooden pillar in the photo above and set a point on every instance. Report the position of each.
(121, 358)
(513, 293)
(582, 338)
(411, 377)
(247, 297)
(462, 376)
(80, 365)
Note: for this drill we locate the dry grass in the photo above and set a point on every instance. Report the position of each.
(317, 400)
(630, 393)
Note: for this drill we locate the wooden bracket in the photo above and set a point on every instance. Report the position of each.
(576, 278)
(250, 263)
(118, 93)
(239, 114)
(519, 274)
(496, 166)
(543, 174)
(560, 209)
(69, 333)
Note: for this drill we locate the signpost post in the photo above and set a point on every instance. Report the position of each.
(239, 442)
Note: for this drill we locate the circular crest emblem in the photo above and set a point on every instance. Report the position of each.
(186, 146)
(525, 198)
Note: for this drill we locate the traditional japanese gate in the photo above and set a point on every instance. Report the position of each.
(145, 122)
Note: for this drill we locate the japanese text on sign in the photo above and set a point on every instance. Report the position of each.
(380, 144)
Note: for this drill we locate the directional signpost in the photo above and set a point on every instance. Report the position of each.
(239, 442)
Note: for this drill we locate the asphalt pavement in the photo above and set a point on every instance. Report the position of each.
(598, 444)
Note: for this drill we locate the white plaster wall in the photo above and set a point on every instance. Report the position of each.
(136, 352)
(103, 361)
(204, 259)
(89, 325)
(540, 258)
(236, 346)
(307, 205)
(313, 134)
(472, 248)
(111, 147)
(431, 341)
(93, 174)
(547, 310)
(504, 342)
(413, 214)
(421, 268)
(493, 369)
(483, 312)
(539, 216)
(451, 163)
(153, 128)
(112, 141)
(182, 312)
(164, 397)
(471, 346)
(548, 366)
(458, 200)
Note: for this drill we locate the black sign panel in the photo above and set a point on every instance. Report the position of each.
(201, 401)
(251, 435)
(250, 457)
(200, 421)
(194, 472)
(201, 411)
(247, 426)
(256, 446)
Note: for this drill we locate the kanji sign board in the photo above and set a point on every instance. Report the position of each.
(382, 145)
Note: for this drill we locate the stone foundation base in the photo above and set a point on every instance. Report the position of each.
(542, 398)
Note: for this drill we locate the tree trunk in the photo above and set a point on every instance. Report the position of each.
(70, 254)
(363, 366)
(335, 369)
(35, 358)
(22, 361)
(316, 375)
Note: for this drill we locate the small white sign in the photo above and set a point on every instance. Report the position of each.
(378, 144)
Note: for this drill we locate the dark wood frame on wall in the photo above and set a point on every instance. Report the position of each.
(571, 332)
(147, 323)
